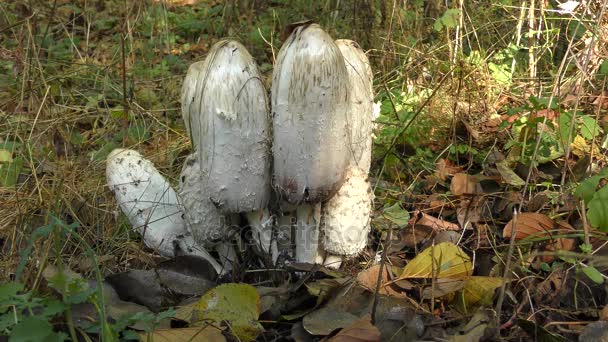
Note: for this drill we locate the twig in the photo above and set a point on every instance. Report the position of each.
(382, 263)
(505, 275)
(125, 102)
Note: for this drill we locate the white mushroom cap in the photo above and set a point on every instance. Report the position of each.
(205, 222)
(151, 205)
(310, 100)
(346, 216)
(225, 108)
(360, 119)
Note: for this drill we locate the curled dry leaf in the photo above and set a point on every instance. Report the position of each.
(463, 184)
(422, 227)
(445, 168)
(369, 278)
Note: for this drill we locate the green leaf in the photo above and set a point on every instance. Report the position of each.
(236, 303)
(589, 128)
(603, 71)
(9, 171)
(397, 215)
(564, 128)
(593, 274)
(32, 329)
(9, 290)
(597, 212)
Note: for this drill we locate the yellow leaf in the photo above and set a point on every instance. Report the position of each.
(195, 334)
(444, 260)
(237, 304)
(480, 290)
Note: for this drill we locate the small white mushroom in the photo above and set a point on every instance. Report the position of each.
(225, 108)
(310, 100)
(151, 205)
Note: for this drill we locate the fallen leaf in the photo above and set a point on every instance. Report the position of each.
(368, 279)
(359, 331)
(480, 290)
(445, 168)
(187, 275)
(463, 184)
(238, 304)
(397, 215)
(422, 227)
(327, 319)
(444, 260)
(508, 175)
(194, 334)
(529, 224)
(443, 287)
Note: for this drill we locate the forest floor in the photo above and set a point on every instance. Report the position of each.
(488, 159)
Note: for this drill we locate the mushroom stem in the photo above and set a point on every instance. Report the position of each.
(227, 255)
(261, 224)
(285, 224)
(332, 261)
(307, 233)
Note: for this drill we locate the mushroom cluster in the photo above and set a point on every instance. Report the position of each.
(297, 172)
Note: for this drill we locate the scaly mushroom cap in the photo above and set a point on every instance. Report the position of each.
(147, 199)
(205, 222)
(346, 216)
(225, 109)
(361, 101)
(310, 100)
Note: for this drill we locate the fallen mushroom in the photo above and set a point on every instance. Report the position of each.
(207, 225)
(346, 216)
(151, 205)
(225, 108)
(310, 100)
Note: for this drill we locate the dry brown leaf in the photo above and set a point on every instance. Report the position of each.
(422, 227)
(360, 331)
(464, 184)
(445, 168)
(529, 224)
(561, 243)
(422, 219)
(368, 279)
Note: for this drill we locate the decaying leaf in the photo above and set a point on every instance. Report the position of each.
(444, 260)
(463, 184)
(359, 331)
(237, 304)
